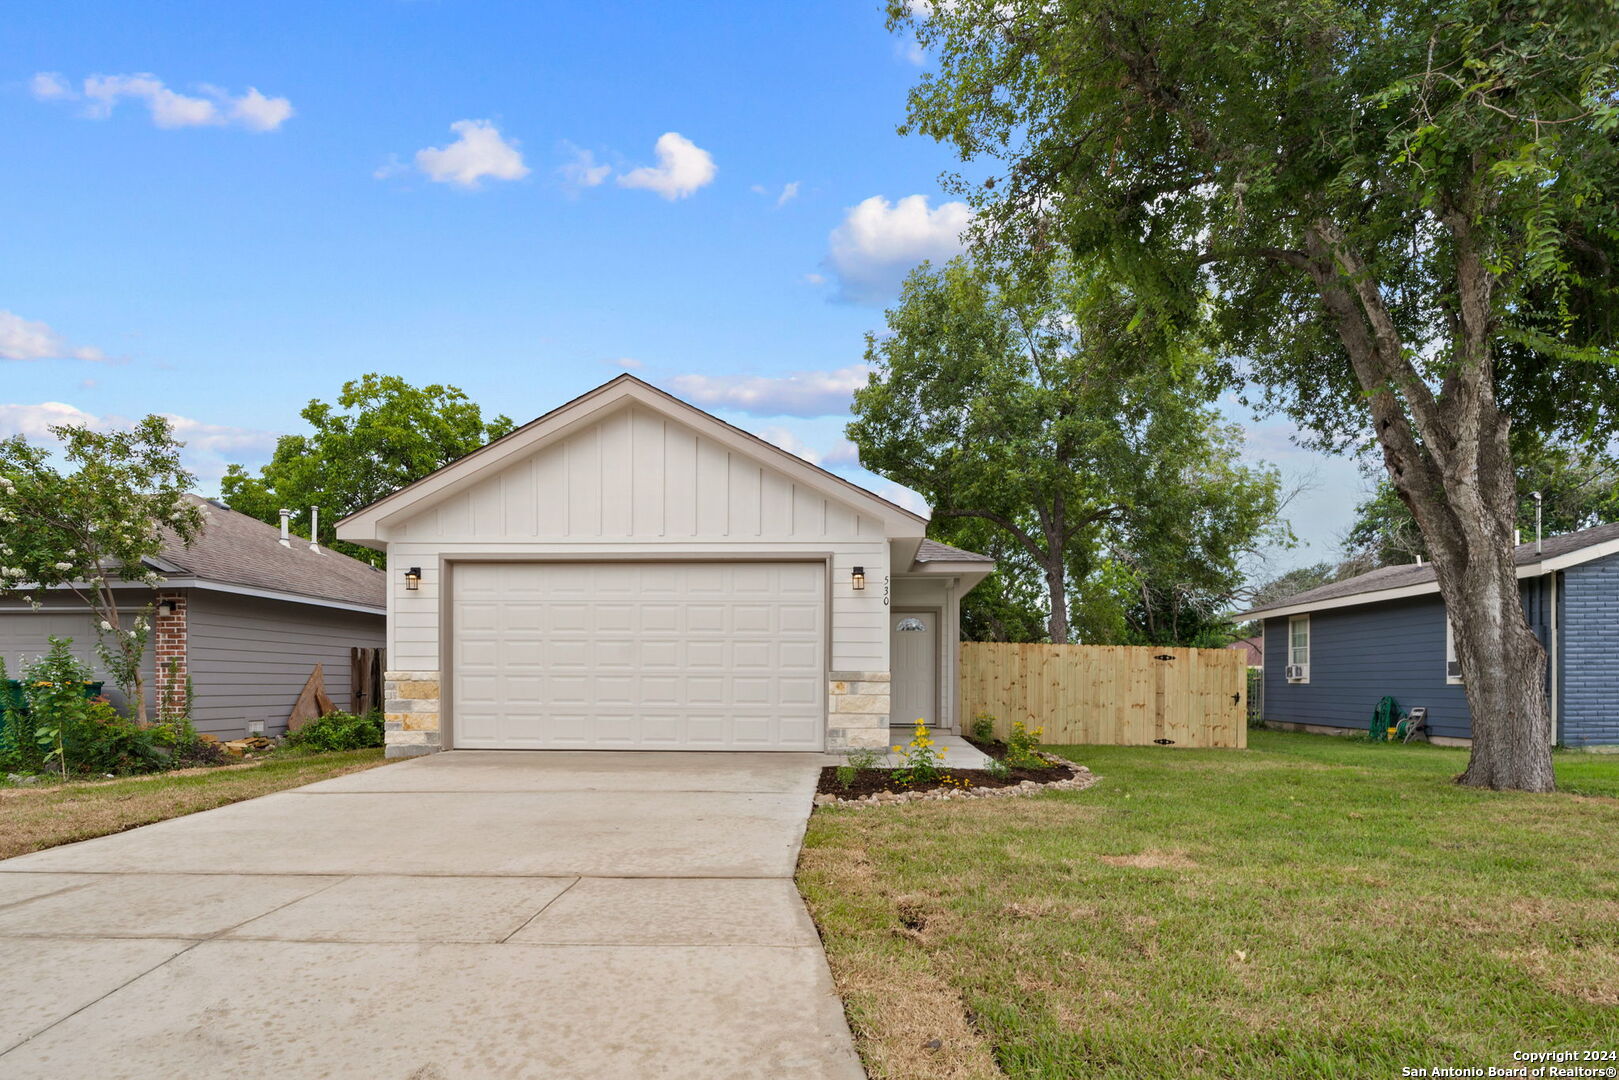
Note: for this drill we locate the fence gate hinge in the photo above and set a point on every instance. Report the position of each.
(1164, 656)
(1164, 742)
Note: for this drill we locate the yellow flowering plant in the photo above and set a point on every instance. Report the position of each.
(922, 759)
(1023, 744)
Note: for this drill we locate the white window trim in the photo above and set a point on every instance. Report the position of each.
(1308, 646)
(1450, 653)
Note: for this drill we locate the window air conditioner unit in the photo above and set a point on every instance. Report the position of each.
(1295, 671)
(1453, 669)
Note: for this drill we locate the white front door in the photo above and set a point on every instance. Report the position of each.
(639, 656)
(914, 648)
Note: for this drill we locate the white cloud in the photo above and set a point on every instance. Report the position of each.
(682, 168)
(50, 86)
(799, 393)
(815, 279)
(25, 339)
(477, 152)
(208, 447)
(789, 192)
(168, 108)
(254, 110)
(583, 171)
(879, 242)
(845, 453)
(35, 421)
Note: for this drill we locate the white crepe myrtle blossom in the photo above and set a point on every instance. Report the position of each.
(64, 566)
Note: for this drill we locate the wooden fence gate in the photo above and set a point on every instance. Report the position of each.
(1114, 695)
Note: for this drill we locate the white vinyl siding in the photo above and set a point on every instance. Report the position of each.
(1298, 647)
(636, 485)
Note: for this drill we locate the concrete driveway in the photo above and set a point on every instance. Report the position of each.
(469, 914)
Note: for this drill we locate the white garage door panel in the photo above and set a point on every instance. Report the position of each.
(639, 655)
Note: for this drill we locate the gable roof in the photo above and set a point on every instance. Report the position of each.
(933, 551)
(246, 555)
(363, 525)
(1397, 582)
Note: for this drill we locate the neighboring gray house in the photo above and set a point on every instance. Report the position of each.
(1333, 651)
(245, 615)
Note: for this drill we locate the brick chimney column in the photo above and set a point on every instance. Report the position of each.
(169, 651)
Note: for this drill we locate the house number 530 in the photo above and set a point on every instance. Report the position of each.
(885, 590)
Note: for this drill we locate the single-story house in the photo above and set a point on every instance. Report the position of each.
(244, 613)
(630, 572)
(1332, 652)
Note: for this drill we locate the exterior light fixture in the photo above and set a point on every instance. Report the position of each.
(858, 578)
(413, 578)
(165, 607)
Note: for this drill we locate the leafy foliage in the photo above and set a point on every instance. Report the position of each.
(1023, 409)
(382, 434)
(339, 731)
(94, 526)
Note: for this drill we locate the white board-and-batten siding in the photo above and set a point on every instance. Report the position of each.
(636, 484)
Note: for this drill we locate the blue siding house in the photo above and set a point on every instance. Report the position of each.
(1332, 652)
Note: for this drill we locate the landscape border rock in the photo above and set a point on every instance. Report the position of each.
(1082, 779)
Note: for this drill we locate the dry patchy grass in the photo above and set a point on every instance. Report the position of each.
(1310, 907)
(32, 819)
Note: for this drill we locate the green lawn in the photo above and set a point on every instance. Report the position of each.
(1309, 907)
(35, 818)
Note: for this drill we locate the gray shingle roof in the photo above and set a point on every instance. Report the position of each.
(933, 551)
(235, 549)
(1402, 577)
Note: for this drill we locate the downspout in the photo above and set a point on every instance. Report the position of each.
(1555, 649)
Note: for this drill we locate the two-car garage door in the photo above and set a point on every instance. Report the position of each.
(656, 656)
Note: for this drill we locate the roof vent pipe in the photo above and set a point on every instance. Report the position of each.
(285, 514)
(314, 529)
(1537, 523)
(1419, 560)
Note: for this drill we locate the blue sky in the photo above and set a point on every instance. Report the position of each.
(219, 211)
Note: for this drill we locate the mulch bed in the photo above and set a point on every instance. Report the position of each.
(873, 781)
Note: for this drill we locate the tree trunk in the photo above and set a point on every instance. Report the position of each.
(1057, 589)
(1449, 457)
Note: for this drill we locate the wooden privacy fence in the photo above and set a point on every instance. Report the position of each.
(1115, 695)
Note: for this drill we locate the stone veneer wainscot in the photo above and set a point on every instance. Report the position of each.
(411, 713)
(857, 710)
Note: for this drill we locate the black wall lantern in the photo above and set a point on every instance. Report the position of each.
(858, 578)
(413, 578)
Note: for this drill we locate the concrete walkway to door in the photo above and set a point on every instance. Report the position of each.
(471, 914)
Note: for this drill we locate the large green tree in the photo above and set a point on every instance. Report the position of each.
(382, 434)
(1406, 213)
(1021, 404)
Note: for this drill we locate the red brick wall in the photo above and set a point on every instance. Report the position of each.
(169, 648)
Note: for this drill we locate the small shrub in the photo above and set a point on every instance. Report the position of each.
(997, 768)
(863, 760)
(1022, 744)
(339, 731)
(846, 775)
(921, 758)
(55, 685)
(984, 728)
